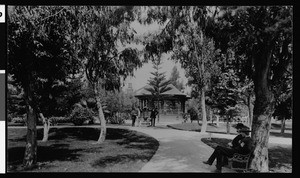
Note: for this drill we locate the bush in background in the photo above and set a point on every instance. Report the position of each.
(193, 113)
(19, 120)
(59, 120)
(80, 115)
(116, 119)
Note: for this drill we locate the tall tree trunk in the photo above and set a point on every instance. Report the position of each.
(158, 108)
(250, 111)
(102, 136)
(228, 125)
(46, 123)
(262, 112)
(218, 120)
(30, 156)
(282, 125)
(200, 66)
(204, 119)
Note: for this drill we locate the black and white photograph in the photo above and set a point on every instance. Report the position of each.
(147, 89)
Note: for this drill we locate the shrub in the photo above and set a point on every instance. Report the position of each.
(19, 120)
(56, 120)
(80, 115)
(193, 113)
(9, 117)
(116, 119)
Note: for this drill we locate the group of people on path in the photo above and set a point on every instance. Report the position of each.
(136, 116)
(242, 144)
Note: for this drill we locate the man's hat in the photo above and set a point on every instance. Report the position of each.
(245, 129)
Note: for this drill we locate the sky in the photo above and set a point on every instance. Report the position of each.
(142, 75)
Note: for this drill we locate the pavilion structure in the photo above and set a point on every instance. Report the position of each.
(173, 101)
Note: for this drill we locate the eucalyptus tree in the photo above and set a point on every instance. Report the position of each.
(174, 79)
(263, 35)
(103, 35)
(183, 35)
(38, 46)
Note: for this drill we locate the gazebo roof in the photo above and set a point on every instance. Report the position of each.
(173, 92)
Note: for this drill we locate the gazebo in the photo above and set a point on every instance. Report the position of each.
(174, 96)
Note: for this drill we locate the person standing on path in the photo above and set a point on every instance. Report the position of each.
(139, 117)
(134, 114)
(153, 114)
(245, 146)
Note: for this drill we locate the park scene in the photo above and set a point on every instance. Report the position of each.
(206, 89)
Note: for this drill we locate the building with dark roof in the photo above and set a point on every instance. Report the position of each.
(173, 100)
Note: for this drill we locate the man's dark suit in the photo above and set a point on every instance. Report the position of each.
(223, 152)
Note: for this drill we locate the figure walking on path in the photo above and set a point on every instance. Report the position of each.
(139, 116)
(153, 114)
(221, 153)
(134, 115)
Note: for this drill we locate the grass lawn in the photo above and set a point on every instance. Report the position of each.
(280, 155)
(73, 149)
(275, 128)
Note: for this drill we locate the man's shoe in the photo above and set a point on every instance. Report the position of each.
(207, 162)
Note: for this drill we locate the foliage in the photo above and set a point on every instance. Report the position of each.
(116, 119)
(174, 79)
(39, 56)
(284, 109)
(37, 44)
(80, 115)
(57, 120)
(224, 93)
(263, 36)
(21, 120)
(15, 100)
(193, 113)
(71, 92)
(103, 32)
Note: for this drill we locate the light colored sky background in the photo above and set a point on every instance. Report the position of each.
(142, 75)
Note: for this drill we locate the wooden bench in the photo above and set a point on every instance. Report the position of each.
(145, 121)
(239, 162)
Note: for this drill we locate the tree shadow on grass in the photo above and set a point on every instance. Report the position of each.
(119, 159)
(284, 135)
(69, 144)
(280, 157)
(135, 140)
(45, 153)
(60, 152)
(78, 133)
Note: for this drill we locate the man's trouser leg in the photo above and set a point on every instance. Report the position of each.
(222, 152)
(133, 120)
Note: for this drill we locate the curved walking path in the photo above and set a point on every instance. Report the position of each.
(183, 151)
(179, 151)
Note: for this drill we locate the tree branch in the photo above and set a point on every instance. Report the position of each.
(52, 15)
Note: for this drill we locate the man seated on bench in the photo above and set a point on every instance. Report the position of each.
(235, 142)
(244, 147)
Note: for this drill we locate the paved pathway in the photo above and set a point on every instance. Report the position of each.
(183, 151)
(179, 151)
